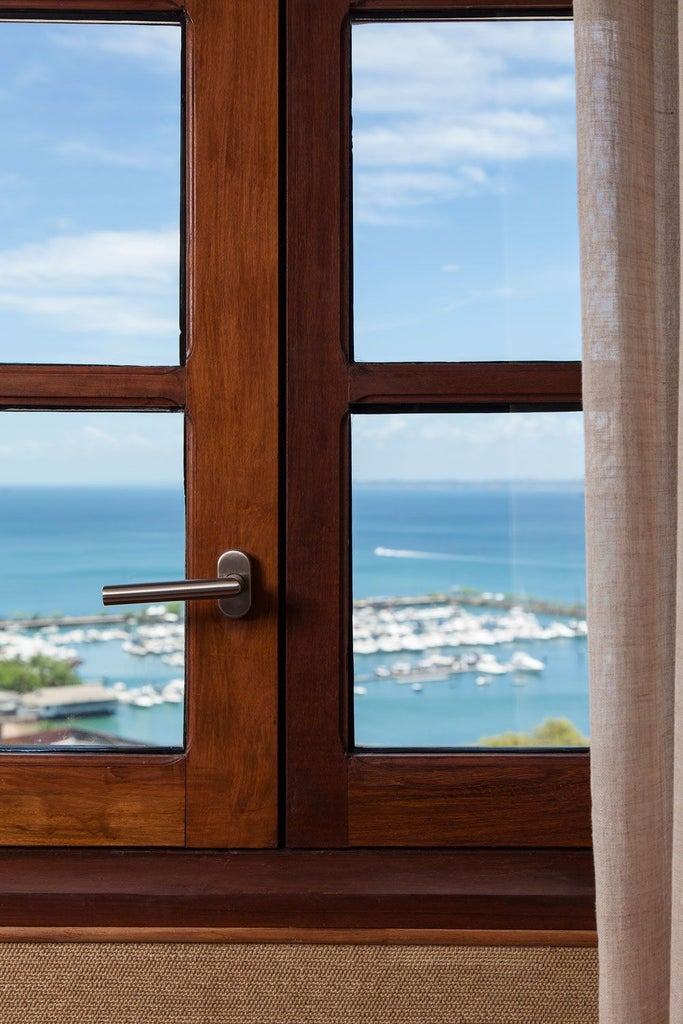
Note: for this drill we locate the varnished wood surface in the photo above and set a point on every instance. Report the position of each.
(441, 8)
(232, 401)
(334, 799)
(230, 387)
(470, 800)
(458, 383)
(298, 936)
(92, 387)
(317, 399)
(80, 799)
(420, 891)
(44, 8)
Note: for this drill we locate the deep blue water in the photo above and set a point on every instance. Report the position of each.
(59, 546)
(511, 538)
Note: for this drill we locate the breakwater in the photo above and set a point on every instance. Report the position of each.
(68, 621)
(475, 599)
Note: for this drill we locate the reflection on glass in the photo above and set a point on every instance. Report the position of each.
(464, 191)
(90, 198)
(89, 499)
(469, 580)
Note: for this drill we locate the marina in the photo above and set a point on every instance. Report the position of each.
(438, 624)
(440, 581)
(401, 643)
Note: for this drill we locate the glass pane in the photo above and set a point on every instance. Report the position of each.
(464, 191)
(469, 580)
(90, 174)
(89, 499)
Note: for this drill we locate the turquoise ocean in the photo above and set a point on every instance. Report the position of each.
(58, 546)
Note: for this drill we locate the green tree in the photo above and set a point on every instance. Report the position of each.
(39, 671)
(553, 732)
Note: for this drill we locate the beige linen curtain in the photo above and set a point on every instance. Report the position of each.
(628, 65)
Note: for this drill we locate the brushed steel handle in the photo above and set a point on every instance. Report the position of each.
(232, 587)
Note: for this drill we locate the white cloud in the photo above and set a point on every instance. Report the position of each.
(485, 136)
(92, 153)
(467, 446)
(67, 448)
(109, 282)
(380, 428)
(92, 438)
(449, 103)
(158, 46)
(435, 66)
(451, 268)
(97, 255)
(391, 196)
(479, 429)
(485, 294)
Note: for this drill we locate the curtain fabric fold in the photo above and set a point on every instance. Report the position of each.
(628, 57)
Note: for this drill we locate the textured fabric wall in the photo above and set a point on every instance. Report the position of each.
(159, 983)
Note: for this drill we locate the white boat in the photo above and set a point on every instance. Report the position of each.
(523, 662)
(142, 700)
(125, 696)
(489, 665)
(174, 691)
(146, 697)
(401, 668)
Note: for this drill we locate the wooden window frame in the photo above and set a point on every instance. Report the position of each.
(523, 896)
(337, 796)
(199, 797)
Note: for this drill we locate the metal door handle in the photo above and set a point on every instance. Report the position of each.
(232, 588)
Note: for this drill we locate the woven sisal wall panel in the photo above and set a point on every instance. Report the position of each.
(159, 983)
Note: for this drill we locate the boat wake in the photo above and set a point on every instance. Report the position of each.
(438, 556)
(398, 553)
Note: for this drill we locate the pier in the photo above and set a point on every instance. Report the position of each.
(477, 600)
(67, 621)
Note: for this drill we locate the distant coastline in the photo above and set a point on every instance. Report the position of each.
(477, 485)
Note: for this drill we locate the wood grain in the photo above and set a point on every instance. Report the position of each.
(232, 403)
(470, 800)
(92, 387)
(333, 798)
(96, 7)
(232, 470)
(297, 936)
(425, 9)
(317, 456)
(526, 384)
(370, 890)
(80, 799)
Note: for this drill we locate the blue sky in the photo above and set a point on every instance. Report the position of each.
(465, 233)
(89, 166)
(464, 226)
(465, 191)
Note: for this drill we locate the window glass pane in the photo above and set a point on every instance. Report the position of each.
(469, 580)
(90, 198)
(464, 191)
(89, 499)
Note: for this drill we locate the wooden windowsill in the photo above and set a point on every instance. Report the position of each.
(223, 895)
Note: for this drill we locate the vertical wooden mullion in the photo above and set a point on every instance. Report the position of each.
(232, 412)
(317, 413)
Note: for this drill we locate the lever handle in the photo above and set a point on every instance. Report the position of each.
(232, 588)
